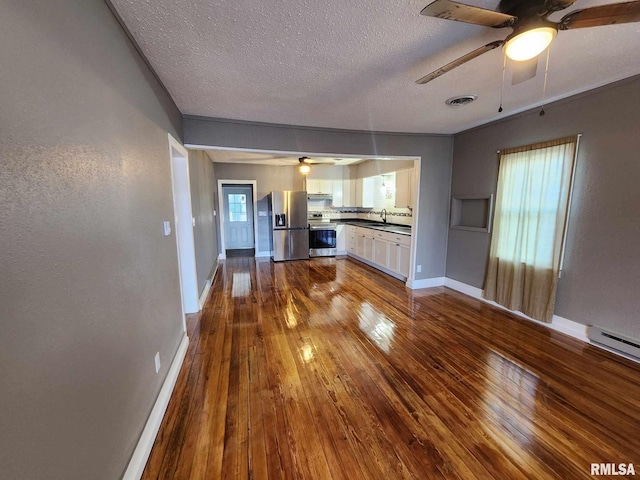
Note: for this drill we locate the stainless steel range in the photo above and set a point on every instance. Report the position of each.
(322, 235)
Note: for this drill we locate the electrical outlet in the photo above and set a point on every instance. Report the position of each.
(419, 268)
(157, 361)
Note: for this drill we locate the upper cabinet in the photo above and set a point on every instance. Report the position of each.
(344, 193)
(318, 185)
(404, 188)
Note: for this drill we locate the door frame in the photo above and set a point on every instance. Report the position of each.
(254, 184)
(183, 223)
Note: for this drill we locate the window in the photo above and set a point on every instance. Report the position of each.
(237, 207)
(532, 198)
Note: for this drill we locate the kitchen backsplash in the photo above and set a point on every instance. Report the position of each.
(402, 216)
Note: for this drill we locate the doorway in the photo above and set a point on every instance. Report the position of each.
(238, 219)
(183, 223)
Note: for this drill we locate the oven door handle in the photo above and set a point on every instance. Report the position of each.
(322, 227)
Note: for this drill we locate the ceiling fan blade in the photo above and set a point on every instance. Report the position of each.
(460, 12)
(524, 70)
(610, 14)
(456, 63)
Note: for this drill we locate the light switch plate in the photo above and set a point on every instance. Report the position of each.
(167, 228)
(156, 359)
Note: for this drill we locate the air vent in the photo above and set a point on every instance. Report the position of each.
(461, 100)
(619, 342)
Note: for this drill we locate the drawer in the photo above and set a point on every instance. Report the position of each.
(393, 237)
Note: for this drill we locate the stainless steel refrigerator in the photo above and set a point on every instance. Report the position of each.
(289, 225)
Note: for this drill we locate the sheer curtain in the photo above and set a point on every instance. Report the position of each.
(528, 228)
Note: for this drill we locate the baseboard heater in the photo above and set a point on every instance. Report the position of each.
(613, 340)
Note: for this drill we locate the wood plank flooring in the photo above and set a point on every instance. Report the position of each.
(327, 369)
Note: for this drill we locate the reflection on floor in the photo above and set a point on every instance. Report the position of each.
(327, 369)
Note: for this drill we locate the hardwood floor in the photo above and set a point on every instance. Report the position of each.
(327, 369)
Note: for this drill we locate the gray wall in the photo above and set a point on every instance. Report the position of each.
(89, 287)
(205, 233)
(600, 280)
(434, 150)
(372, 168)
(268, 179)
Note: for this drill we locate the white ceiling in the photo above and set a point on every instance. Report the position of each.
(353, 64)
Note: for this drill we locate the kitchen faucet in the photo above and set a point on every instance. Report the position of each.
(383, 215)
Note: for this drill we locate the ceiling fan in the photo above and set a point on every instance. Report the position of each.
(532, 30)
(306, 162)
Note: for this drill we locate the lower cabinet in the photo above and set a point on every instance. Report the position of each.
(388, 251)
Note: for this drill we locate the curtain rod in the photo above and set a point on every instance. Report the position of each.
(577, 135)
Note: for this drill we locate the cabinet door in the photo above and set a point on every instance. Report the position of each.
(313, 185)
(403, 189)
(326, 186)
(349, 193)
(367, 192)
(381, 252)
(404, 260)
(394, 252)
(368, 248)
(360, 245)
(338, 194)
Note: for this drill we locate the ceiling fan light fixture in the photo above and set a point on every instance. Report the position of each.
(529, 43)
(305, 168)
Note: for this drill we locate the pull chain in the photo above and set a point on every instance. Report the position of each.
(504, 69)
(544, 87)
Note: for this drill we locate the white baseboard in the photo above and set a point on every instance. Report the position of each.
(425, 283)
(207, 288)
(145, 443)
(564, 325)
(263, 254)
(222, 256)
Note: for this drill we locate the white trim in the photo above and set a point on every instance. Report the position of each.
(571, 328)
(415, 213)
(145, 443)
(425, 283)
(263, 254)
(222, 256)
(560, 324)
(183, 218)
(207, 288)
(254, 194)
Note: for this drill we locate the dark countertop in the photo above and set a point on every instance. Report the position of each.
(385, 227)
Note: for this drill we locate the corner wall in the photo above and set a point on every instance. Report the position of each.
(89, 286)
(434, 150)
(205, 231)
(600, 280)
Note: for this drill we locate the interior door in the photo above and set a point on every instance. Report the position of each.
(238, 216)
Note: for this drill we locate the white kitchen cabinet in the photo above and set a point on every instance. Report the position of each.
(404, 260)
(404, 188)
(337, 194)
(387, 251)
(349, 193)
(341, 239)
(367, 192)
(368, 247)
(381, 252)
(352, 241)
(319, 185)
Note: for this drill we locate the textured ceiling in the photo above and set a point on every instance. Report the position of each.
(353, 64)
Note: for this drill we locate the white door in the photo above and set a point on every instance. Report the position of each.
(238, 216)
